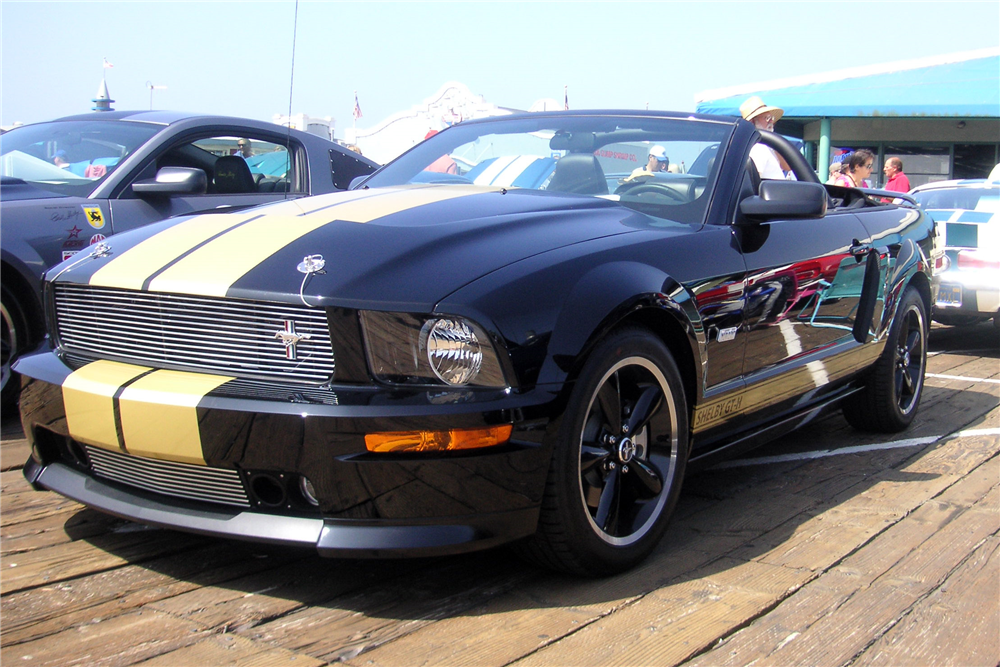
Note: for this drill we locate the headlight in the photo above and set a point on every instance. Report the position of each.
(410, 349)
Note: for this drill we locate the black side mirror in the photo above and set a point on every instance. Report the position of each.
(173, 181)
(786, 199)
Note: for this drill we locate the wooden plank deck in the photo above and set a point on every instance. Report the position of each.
(863, 557)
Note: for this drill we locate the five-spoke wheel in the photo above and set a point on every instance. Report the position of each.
(891, 392)
(618, 459)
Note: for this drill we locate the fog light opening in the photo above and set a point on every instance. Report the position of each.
(78, 453)
(268, 490)
(308, 491)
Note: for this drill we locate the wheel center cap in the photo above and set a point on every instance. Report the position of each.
(626, 450)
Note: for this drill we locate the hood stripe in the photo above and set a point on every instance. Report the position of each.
(213, 268)
(132, 268)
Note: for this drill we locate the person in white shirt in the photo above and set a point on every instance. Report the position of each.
(769, 164)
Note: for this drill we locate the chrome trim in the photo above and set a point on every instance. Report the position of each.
(180, 480)
(207, 334)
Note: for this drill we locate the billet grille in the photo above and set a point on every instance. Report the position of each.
(180, 480)
(208, 334)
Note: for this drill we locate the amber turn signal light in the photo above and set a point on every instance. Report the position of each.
(438, 441)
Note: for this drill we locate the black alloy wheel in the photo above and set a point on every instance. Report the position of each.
(619, 461)
(892, 391)
(621, 482)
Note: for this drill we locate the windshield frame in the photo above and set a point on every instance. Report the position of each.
(569, 132)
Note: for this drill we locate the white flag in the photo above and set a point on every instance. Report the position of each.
(107, 65)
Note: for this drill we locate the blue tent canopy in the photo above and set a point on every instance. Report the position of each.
(961, 88)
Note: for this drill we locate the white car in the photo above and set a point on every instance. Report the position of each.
(968, 215)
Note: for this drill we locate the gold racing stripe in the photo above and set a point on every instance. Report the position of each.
(159, 415)
(88, 399)
(213, 268)
(132, 267)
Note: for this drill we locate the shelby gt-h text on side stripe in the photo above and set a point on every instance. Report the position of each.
(428, 364)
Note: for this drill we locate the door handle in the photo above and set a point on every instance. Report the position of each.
(859, 249)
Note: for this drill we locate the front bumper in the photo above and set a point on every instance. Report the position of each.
(369, 505)
(330, 538)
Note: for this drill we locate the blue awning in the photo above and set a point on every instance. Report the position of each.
(952, 88)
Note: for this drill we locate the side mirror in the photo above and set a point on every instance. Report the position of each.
(173, 181)
(786, 199)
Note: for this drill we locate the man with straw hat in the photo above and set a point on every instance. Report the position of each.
(769, 164)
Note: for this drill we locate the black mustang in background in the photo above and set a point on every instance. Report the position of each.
(502, 336)
(74, 181)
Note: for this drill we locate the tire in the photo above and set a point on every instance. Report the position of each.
(13, 341)
(888, 402)
(618, 460)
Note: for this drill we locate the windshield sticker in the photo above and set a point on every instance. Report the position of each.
(94, 216)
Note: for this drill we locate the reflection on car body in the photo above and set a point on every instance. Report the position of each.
(512, 353)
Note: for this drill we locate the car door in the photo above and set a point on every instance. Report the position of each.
(271, 169)
(805, 280)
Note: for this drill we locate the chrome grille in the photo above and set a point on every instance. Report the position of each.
(180, 480)
(208, 334)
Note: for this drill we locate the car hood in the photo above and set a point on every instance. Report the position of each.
(15, 189)
(393, 248)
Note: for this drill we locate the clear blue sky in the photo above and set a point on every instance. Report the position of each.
(235, 57)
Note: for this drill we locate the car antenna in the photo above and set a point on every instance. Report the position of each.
(291, 87)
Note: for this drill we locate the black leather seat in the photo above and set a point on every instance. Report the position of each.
(233, 176)
(579, 173)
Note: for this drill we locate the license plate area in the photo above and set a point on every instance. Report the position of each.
(949, 296)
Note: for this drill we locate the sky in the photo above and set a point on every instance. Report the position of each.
(236, 58)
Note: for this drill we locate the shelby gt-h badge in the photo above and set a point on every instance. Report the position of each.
(512, 333)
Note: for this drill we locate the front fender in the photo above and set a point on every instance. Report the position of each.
(909, 265)
(610, 294)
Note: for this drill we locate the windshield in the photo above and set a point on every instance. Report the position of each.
(664, 167)
(70, 157)
(968, 199)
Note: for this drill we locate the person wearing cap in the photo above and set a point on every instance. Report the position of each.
(769, 164)
(59, 159)
(657, 161)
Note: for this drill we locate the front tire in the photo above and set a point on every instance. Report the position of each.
(888, 402)
(13, 341)
(618, 460)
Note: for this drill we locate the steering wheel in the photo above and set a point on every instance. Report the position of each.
(652, 189)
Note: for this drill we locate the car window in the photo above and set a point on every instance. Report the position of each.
(238, 164)
(586, 155)
(234, 164)
(70, 157)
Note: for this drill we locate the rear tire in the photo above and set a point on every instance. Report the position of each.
(618, 460)
(892, 390)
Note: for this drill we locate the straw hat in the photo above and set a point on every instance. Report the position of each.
(755, 106)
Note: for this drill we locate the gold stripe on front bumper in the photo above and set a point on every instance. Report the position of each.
(160, 418)
(88, 399)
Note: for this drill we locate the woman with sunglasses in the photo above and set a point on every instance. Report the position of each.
(857, 169)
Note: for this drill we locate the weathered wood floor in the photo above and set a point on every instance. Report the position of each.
(863, 557)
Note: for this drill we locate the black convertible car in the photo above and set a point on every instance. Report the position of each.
(72, 182)
(507, 335)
